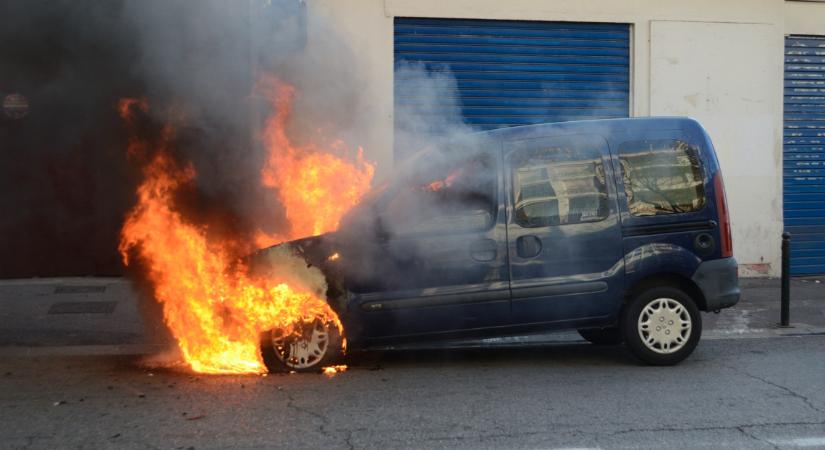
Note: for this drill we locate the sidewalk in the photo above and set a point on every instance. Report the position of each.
(86, 316)
(757, 313)
(82, 316)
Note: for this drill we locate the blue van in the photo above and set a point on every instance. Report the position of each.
(616, 228)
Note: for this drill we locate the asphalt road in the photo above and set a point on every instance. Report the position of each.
(740, 393)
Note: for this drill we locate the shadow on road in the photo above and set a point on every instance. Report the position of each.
(537, 355)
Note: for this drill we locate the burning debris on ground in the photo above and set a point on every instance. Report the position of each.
(333, 370)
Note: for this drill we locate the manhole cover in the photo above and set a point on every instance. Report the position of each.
(82, 308)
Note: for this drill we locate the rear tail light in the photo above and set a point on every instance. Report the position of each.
(724, 217)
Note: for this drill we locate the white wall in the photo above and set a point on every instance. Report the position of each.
(727, 75)
(719, 61)
(805, 17)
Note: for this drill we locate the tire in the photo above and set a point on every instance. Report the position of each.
(315, 345)
(602, 336)
(662, 326)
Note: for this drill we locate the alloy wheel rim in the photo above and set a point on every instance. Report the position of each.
(664, 325)
(305, 348)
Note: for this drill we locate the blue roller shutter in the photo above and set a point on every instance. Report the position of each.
(804, 152)
(511, 73)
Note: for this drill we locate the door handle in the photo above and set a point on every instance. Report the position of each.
(528, 246)
(483, 250)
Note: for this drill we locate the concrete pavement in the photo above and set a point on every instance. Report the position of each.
(71, 315)
(732, 393)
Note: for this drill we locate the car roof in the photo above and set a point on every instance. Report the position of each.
(601, 126)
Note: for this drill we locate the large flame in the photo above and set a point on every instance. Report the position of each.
(315, 186)
(214, 308)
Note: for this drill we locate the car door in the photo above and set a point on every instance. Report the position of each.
(440, 264)
(564, 237)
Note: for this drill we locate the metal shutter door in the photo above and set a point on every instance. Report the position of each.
(804, 153)
(512, 73)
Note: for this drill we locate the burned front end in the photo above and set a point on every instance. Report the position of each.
(313, 263)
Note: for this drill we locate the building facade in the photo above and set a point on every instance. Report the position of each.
(751, 71)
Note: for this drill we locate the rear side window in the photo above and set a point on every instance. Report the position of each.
(662, 177)
(558, 185)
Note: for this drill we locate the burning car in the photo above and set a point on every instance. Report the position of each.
(616, 228)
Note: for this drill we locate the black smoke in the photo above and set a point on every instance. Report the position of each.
(65, 180)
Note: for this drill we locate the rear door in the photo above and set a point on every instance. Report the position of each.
(564, 238)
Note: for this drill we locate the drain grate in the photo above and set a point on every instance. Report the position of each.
(79, 289)
(82, 308)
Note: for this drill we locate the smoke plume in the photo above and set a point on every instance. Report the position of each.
(65, 178)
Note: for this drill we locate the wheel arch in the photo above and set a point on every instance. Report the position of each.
(666, 279)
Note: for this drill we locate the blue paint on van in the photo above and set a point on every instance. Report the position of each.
(583, 218)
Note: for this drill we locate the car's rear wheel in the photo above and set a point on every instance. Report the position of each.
(662, 326)
(311, 346)
(602, 336)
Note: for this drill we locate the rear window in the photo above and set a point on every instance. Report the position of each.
(662, 177)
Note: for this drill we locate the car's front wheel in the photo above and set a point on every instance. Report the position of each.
(662, 326)
(311, 346)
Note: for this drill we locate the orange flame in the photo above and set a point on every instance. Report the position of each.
(125, 106)
(316, 187)
(214, 308)
(331, 371)
(439, 184)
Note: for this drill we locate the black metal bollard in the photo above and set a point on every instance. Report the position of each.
(785, 310)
